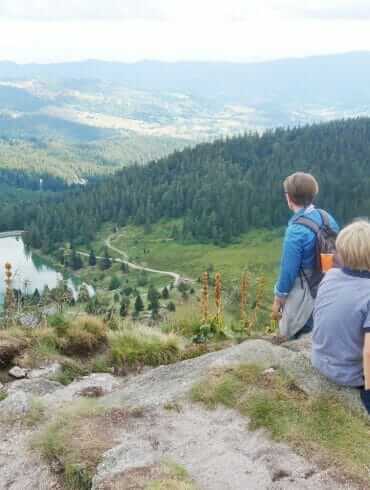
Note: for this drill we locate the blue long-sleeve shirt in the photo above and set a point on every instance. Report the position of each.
(299, 249)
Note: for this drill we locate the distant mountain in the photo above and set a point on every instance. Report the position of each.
(148, 109)
(328, 79)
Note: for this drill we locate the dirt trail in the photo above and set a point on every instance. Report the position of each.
(174, 275)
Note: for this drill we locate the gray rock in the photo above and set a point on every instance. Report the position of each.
(36, 387)
(168, 383)
(29, 320)
(47, 371)
(216, 448)
(106, 383)
(17, 372)
(15, 404)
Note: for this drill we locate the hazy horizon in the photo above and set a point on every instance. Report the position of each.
(48, 31)
(179, 61)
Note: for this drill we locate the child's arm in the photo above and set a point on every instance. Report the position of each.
(366, 356)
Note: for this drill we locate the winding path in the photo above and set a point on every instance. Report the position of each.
(175, 276)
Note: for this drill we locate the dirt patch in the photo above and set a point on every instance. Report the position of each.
(134, 479)
(91, 392)
(9, 349)
(76, 440)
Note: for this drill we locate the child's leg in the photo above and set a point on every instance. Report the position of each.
(365, 397)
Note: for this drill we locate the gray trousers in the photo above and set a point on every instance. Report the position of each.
(297, 309)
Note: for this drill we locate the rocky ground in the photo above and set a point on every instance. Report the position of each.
(216, 447)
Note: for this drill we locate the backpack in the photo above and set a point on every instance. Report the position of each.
(325, 244)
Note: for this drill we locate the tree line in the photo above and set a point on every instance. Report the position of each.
(216, 190)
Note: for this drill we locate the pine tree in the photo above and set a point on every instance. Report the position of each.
(139, 305)
(36, 297)
(92, 258)
(123, 311)
(105, 262)
(165, 293)
(115, 283)
(153, 299)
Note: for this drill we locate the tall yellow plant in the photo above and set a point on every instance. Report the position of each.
(205, 298)
(218, 299)
(244, 287)
(9, 303)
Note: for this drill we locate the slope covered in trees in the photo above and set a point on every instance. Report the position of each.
(217, 190)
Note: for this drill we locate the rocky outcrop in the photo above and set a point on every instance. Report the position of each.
(168, 383)
(216, 447)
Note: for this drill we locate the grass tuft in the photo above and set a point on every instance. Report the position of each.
(144, 346)
(75, 441)
(85, 335)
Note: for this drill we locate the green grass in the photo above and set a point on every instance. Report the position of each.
(132, 346)
(74, 442)
(320, 427)
(257, 251)
(68, 443)
(173, 477)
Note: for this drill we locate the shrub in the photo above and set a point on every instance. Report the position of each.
(59, 323)
(115, 283)
(12, 343)
(70, 371)
(85, 335)
(144, 346)
(171, 306)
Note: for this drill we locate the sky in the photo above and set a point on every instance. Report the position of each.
(175, 30)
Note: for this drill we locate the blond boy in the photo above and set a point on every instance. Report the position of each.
(341, 333)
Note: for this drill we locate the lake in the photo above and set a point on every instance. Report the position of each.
(30, 272)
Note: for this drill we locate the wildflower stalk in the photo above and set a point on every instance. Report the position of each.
(205, 298)
(218, 299)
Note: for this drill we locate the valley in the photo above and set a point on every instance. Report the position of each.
(135, 327)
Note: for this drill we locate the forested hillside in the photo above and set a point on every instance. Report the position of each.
(217, 190)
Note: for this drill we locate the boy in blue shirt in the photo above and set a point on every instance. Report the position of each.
(341, 333)
(294, 300)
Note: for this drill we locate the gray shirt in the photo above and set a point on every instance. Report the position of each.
(341, 319)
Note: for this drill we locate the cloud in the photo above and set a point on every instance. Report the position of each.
(102, 10)
(325, 10)
(61, 10)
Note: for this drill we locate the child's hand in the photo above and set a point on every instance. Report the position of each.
(277, 308)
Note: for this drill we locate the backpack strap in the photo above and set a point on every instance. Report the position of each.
(311, 224)
(308, 223)
(324, 218)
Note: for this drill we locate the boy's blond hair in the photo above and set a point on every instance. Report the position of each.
(353, 245)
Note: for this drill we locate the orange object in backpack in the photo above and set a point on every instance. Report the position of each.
(327, 262)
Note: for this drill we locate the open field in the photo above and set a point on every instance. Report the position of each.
(258, 252)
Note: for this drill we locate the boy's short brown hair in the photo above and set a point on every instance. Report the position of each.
(353, 245)
(301, 188)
